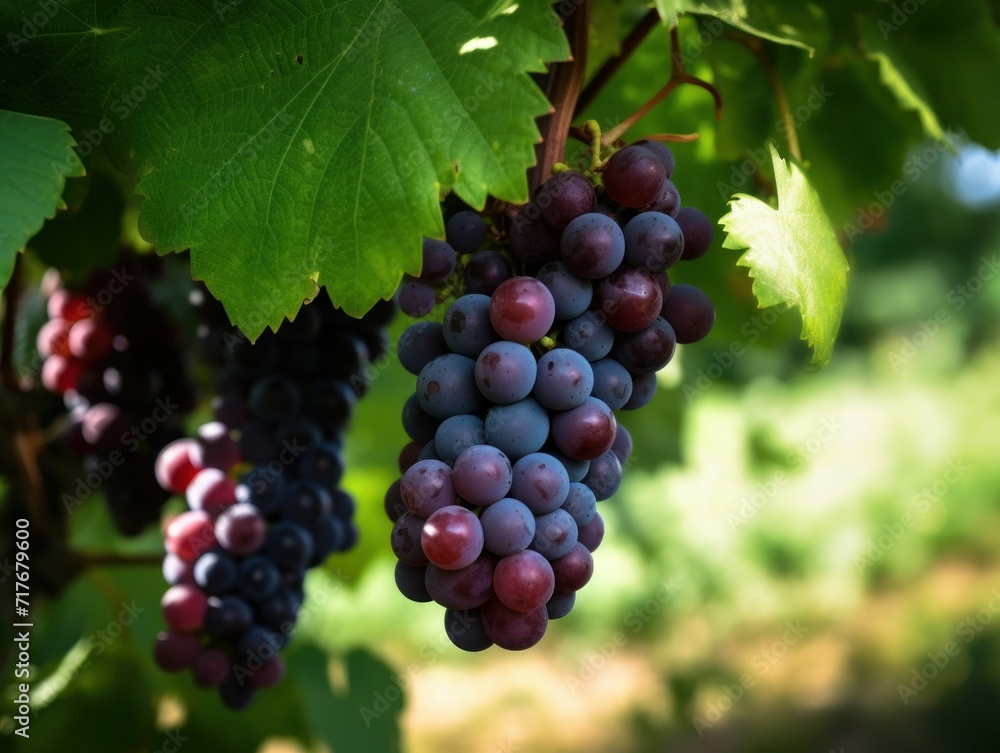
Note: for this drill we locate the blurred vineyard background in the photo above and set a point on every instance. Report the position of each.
(790, 550)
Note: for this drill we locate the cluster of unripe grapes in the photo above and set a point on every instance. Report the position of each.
(514, 435)
(117, 361)
(262, 484)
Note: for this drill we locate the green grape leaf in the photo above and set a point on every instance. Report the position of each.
(735, 13)
(899, 79)
(300, 143)
(36, 157)
(793, 254)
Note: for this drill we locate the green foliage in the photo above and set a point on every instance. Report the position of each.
(737, 13)
(300, 145)
(36, 157)
(793, 254)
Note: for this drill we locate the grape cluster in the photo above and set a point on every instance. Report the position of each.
(262, 484)
(116, 360)
(513, 427)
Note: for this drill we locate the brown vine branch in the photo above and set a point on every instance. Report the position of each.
(607, 71)
(758, 49)
(562, 87)
(678, 76)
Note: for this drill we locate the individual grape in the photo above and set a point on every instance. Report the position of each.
(522, 310)
(572, 294)
(482, 475)
(420, 344)
(698, 232)
(419, 425)
(560, 605)
(667, 201)
(409, 455)
(592, 246)
(439, 260)
(524, 581)
(662, 152)
(393, 501)
(405, 539)
(288, 545)
(263, 490)
(555, 534)
(465, 231)
(330, 535)
(564, 379)
(427, 487)
(259, 644)
(540, 482)
(447, 387)
(210, 668)
(298, 433)
(585, 432)
(184, 608)
(271, 672)
(465, 630)
(274, 398)
(452, 538)
(690, 312)
(630, 298)
(510, 629)
(258, 578)
(344, 505)
(279, 611)
(175, 465)
(508, 527)
(633, 176)
(214, 447)
(517, 429)
(190, 535)
(304, 502)
(466, 327)
(612, 383)
(330, 403)
(89, 340)
(563, 197)
(457, 434)
(240, 530)
(175, 652)
(605, 476)
(103, 426)
(647, 351)
(532, 240)
(428, 453)
(590, 335)
(227, 616)
(215, 572)
(576, 469)
(581, 503)
(416, 298)
(53, 339)
(505, 372)
(176, 570)
(323, 464)
(574, 570)
(653, 241)
(63, 304)
(592, 534)
(643, 390)
(60, 375)
(467, 588)
(410, 582)
(485, 271)
(622, 447)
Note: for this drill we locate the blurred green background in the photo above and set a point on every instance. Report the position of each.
(796, 561)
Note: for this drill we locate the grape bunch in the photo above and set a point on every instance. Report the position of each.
(262, 484)
(117, 361)
(513, 427)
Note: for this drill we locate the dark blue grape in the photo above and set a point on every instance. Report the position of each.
(564, 379)
(457, 434)
(330, 403)
(485, 271)
(289, 545)
(262, 489)
(416, 298)
(465, 630)
(439, 261)
(419, 425)
(517, 429)
(329, 535)
(305, 502)
(323, 465)
(605, 476)
(508, 527)
(561, 604)
(447, 387)
(420, 344)
(540, 482)
(653, 241)
(410, 582)
(571, 292)
(590, 335)
(643, 390)
(215, 572)
(466, 326)
(580, 503)
(592, 246)
(273, 399)
(505, 372)
(258, 578)
(612, 383)
(564, 197)
(698, 232)
(465, 231)
(227, 617)
(555, 534)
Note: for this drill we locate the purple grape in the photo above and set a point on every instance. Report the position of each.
(605, 476)
(452, 538)
(612, 383)
(585, 432)
(576, 469)
(592, 534)
(524, 581)
(240, 530)
(405, 540)
(508, 527)
(653, 241)
(420, 344)
(465, 630)
(622, 448)
(555, 534)
(564, 197)
(698, 232)
(532, 240)
(564, 379)
(485, 271)
(467, 588)
(572, 294)
(662, 152)
(633, 176)
(690, 312)
(416, 298)
(175, 652)
(505, 372)
(482, 475)
(580, 503)
(643, 390)
(439, 261)
(667, 201)
(630, 298)
(592, 246)
(427, 487)
(574, 570)
(215, 448)
(540, 482)
(465, 231)
(211, 668)
(647, 351)
(522, 310)
(510, 629)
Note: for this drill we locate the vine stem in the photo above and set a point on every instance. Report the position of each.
(678, 76)
(562, 87)
(11, 295)
(607, 71)
(759, 51)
